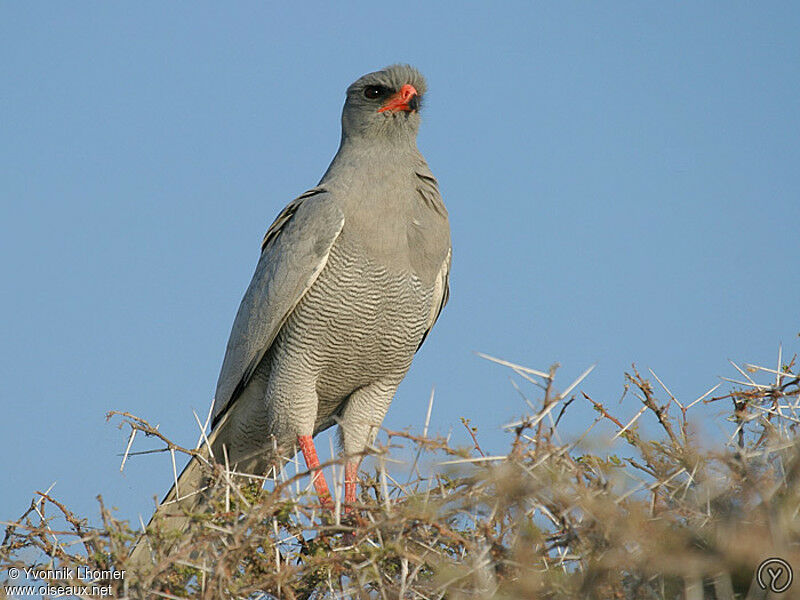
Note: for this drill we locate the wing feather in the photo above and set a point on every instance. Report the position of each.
(441, 294)
(294, 252)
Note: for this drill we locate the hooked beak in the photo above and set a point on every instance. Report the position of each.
(407, 99)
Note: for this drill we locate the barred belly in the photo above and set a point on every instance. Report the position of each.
(359, 324)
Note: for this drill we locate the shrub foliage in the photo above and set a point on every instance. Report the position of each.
(658, 511)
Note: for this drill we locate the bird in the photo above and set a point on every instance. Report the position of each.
(352, 276)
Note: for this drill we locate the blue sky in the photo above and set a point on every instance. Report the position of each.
(622, 180)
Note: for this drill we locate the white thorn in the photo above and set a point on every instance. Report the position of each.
(127, 449)
(514, 366)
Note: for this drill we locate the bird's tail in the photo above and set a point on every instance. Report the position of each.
(189, 495)
(193, 492)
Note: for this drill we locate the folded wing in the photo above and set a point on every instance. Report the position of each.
(294, 252)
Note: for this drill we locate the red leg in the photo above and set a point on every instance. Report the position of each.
(312, 462)
(350, 482)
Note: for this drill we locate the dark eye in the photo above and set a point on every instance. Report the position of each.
(374, 92)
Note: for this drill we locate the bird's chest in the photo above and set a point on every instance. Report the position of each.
(400, 235)
(361, 321)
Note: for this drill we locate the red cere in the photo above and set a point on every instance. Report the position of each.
(400, 100)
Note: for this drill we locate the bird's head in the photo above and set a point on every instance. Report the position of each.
(384, 104)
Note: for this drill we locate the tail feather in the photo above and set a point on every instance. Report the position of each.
(188, 496)
(194, 492)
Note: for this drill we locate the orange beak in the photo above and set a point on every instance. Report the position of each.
(406, 99)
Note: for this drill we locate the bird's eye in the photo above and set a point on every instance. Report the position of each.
(374, 92)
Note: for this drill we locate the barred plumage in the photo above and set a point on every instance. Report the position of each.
(352, 276)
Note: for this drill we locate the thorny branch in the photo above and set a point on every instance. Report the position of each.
(548, 519)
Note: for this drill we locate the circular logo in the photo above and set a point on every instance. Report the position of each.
(774, 574)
